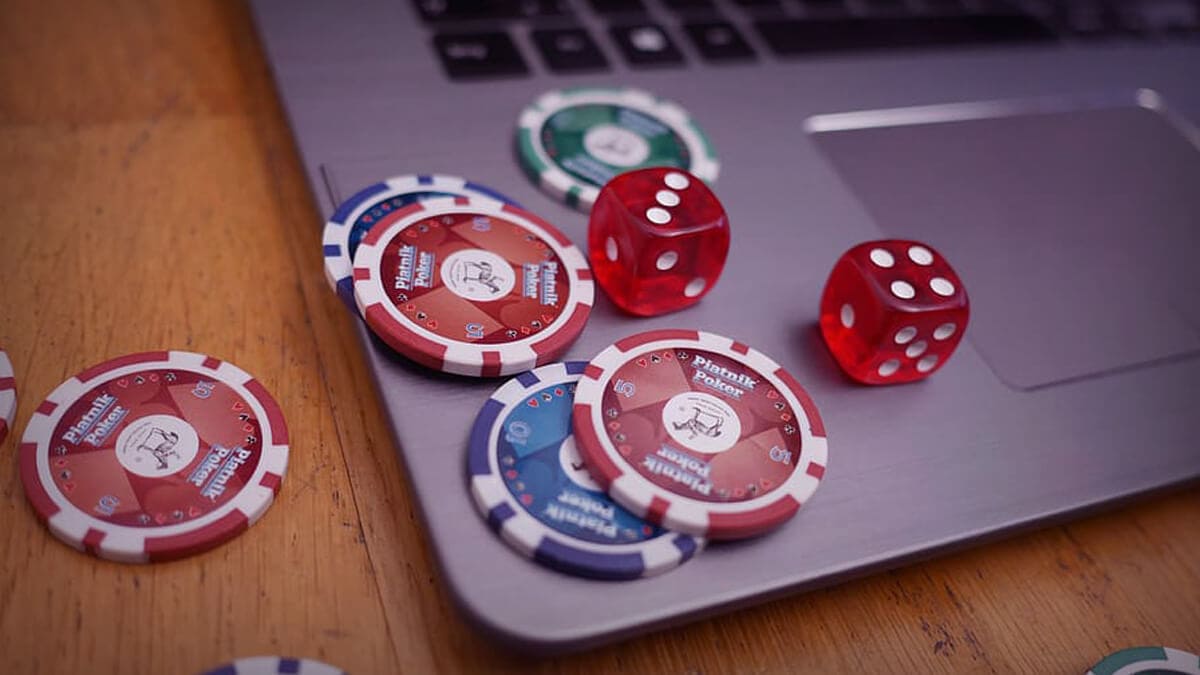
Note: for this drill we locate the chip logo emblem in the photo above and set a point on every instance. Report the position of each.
(616, 146)
(157, 445)
(702, 422)
(476, 274)
(573, 466)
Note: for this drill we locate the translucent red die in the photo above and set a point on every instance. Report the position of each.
(657, 240)
(893, 311)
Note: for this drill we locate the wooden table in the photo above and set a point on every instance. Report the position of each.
(153, 199)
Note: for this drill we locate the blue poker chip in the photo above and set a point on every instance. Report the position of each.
(532, 487)
(355, 217)
(275, 665)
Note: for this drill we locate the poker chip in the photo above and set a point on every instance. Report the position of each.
(358, 214)
(154, 456)
(274, 665)
(472, 287)
(1146, 660)
(8, 395)
(573, 141)
(530, 484)
(699, 433)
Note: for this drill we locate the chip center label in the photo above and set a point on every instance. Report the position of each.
(616, 146)
(479, 275)
(157, 445)
(573, 466)
(701, 422)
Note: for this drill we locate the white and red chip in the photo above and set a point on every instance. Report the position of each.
(358, 214)
(472, 287)
(275, 665)
(154, 456)
(699, 433)
(8, 395)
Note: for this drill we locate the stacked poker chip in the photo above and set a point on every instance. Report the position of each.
(535, 490)
(700, 433)
(618, 468)
(622, 467)
(364, 209)
(472, 286)
(457, 277)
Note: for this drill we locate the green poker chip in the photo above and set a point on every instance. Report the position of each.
(1148, 661)
(573, 141)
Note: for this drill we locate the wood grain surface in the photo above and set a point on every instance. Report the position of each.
(153, 199)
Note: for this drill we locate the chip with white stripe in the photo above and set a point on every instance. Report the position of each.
(154, 456)
(472, 287)
(573, 141)
(699, 433)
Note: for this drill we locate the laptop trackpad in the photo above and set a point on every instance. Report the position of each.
(1076, 232)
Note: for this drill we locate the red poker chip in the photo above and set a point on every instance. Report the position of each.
(8, 395)
(154, 456)
(699, 433)
(472, 287)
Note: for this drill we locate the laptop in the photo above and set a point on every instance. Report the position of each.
(1047, 149)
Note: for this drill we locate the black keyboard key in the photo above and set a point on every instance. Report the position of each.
(465, 10)
(568, 50)
(718, 41)
(1002, 7)
(476, 55)
(1090, 19)
(944, 6)
(618, 6)
(824, 7)
(761, 6)
(797, 37)
(888, 7)
(688, 5)
(646, 44)
(1165, 17)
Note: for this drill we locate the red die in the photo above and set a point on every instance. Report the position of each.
(892, 311)
(657, 240)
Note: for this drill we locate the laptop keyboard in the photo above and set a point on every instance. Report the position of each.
(804, 36)
(479, 39)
